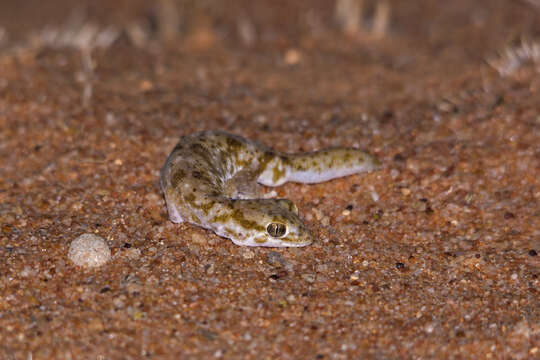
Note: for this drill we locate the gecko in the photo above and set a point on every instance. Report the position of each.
(211, 179)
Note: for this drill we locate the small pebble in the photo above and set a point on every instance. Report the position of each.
(322, 268)
(270, 195)
(318, 214)
(514, 276)
(209, 269)
(275, 259)
(134, 287)
(421, 206)
(89, 250)
(248, 254)
(119, 301)
(95, 325)
(146, 85)
(509, 215)
(310, 278)
(197, 238)
(292, 57)
(132, 253)
(374, 194)
(394, 173)
(325, 221)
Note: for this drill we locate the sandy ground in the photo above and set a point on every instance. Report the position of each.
(433, 256)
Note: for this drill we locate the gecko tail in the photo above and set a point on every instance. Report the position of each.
(329, 164)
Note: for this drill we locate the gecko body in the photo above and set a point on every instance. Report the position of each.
(210, 179)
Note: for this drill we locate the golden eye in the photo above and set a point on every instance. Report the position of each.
(276, 230)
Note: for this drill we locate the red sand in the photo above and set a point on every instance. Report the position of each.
(434, 256)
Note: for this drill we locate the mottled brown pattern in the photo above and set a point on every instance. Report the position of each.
(210, 174)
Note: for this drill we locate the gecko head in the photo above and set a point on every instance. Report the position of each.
(285, 232)
(275, 223)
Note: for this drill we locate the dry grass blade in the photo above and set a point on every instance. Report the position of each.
(513, 58)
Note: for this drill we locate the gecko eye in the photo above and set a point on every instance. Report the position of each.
(276, 230)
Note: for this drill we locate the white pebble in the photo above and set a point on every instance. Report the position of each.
(514, 276)
(248, 254)
(374, 194)
(270, 195)
(89, 250)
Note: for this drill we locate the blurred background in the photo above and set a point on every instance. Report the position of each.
(476, 26)
(418, 38)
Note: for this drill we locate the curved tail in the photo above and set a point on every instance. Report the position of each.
(328, 164)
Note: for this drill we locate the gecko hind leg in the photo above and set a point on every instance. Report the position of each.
(243, 185)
